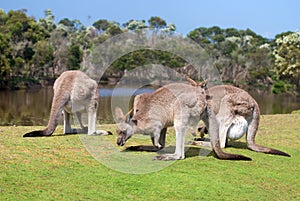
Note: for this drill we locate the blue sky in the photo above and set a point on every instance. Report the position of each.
(265, 17)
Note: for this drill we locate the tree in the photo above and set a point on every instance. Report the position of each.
(114, 29)
(169, 29)
(5, 52)
(101, 25)
(287, 58)
(135, 25)
(42, 59)
(157, 23)
(75, 57)
(48, 22)
(235, 53)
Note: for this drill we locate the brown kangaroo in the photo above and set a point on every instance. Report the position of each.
(74, 92)
(175, 104)
(233, 112)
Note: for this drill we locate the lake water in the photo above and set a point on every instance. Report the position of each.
(32, 107)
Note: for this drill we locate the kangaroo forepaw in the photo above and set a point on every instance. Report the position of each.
(157, 146)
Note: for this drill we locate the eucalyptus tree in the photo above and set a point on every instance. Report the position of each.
(287, 58)
(236, 53)
(157, 23)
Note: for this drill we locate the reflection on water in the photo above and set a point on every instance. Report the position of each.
(275, 104)
(25, 107)
(32, 107)
(108, 92)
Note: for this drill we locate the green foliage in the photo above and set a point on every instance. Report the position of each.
(48, 22)
(287, 57)
(259, 60)
(42, 49)
(102, 25)
(136, 25)
(157, 23)
(296, 112)
(42, 59)
(280, 86)
(241, 56)
(5, 57)
(75, 58)
(145, 57)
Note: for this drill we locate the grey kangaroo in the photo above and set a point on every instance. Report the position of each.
(235, 113)
(74, 92)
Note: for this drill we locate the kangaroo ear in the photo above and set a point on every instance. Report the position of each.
(119, 114)
(203, 84)
(128, 116)
(192, 82)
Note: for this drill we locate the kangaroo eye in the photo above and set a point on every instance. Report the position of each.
(136, 110)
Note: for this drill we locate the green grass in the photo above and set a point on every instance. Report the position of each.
(296, 112)
(61, 168)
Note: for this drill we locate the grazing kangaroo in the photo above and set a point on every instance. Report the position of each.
(74, 92)
(180, 105)
(236, 113)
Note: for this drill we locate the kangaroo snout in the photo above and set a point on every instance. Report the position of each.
(120, 141)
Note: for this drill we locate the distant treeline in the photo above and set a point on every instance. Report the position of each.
(35, 52)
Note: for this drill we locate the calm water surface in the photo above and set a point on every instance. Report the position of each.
(32, 107)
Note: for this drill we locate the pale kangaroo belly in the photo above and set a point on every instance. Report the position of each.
(238, 128)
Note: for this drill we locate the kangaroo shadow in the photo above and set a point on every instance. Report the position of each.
(74, 131)
(146, 148)
(236, 144)
(189, 151)
(229, 144)
(82, 132)
(67, 134)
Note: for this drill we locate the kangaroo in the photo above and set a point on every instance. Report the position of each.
(179, 105)
(236, 113)
(74, 92)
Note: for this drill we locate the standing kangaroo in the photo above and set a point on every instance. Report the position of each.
(177, 104)
(235, 113)
(74, 92)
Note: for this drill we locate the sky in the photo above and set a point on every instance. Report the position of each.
(264, 17)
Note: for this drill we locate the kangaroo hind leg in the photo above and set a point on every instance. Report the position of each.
(67, 124)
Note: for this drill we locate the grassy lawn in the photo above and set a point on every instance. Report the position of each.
(77, 167)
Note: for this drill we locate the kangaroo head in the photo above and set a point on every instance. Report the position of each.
(126, 126)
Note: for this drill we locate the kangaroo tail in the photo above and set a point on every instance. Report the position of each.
(58, 102)
(268, 150)
(215, 139)
(252, 128)
(226, 156)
